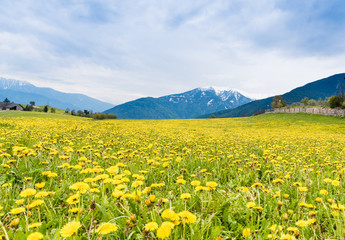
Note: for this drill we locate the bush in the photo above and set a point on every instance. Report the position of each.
(335, 101)
(101, 116)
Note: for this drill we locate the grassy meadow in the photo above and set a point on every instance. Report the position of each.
(272, 176)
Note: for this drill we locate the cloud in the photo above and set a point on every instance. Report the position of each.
(120, 50)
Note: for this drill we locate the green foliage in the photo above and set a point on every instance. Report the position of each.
(278, 102)
(102, 116)
(335, 101)
(28, 108)
(6, 100)
(45, 109)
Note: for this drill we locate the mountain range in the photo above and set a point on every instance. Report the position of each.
(23, 92)
(189, 104)
(319, 89)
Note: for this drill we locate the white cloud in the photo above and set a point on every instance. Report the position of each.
(121, 50)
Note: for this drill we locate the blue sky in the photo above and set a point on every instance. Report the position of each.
(118, 51)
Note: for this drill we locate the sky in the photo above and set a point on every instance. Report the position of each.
(121, 50)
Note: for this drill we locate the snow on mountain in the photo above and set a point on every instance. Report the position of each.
(12, 83)
(188, 104)
(23, 92)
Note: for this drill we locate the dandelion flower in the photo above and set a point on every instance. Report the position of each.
(28, 192)
(187, 217)
(151, 226)
(35, 236)
(106, 228)
(195, 183)
(35, 204)
(73, 199)
(246, 232)
(40, 185)
(185, 196)
(34, 225)
(212, 185)
(70, 228)
(16, 211)
(170, 214)
(80, 186)
(164, 230)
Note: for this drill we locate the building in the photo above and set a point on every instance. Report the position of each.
(5, 106)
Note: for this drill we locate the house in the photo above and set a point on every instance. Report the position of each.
(5, 106)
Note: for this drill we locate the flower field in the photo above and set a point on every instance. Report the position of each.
(273, 176)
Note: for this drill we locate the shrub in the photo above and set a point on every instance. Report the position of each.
(335, 101)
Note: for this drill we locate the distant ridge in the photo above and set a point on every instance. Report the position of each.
(323, 88)
(189, 104)
(23, 92)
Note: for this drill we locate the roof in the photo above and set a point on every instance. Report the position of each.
(8, 105)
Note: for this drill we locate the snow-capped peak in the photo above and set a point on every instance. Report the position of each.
(225, 93)
(11, 83)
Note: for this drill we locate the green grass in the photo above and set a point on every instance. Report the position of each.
(29, 114)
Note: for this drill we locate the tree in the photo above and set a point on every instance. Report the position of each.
(52, 110)
(45, 109)
(278, 102)
(28, 108)
(212, 116)
(32, 103)
(305, 100)
(6, 100)
(335, 101)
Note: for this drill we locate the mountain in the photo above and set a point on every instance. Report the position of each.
(323, 88)
(189, 104)
(23, 92)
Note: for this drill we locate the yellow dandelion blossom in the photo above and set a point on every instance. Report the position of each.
(170, 214)
(40, 185)
(137, 183)
(35, 204)
(20, 201)
(181, 181)
(335, 183)
(73, 199)
(16, 211)
(302, 223)
(151, 226)
(246, 232)
(164, 230)
(187, 217)
(35, 225)
(323, 192)
(117, 194)
(106, 228)
(303, 189)
(195, 183)
(15, 222)
(28, 192)
(212, 185)
(250, 204)
(74, 210)
(70, 228)
(185, 196)
(35, 236)
(80, 186)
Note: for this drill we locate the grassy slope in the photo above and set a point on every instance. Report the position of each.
(35, 114)
(277, 118)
